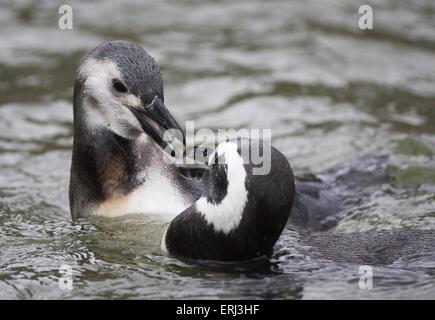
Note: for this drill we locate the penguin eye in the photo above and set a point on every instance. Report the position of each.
(119, 86)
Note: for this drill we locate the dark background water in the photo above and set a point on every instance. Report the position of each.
(329, 91)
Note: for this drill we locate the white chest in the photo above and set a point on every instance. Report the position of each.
(158, 196)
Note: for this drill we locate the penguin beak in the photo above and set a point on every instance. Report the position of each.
(156, 120)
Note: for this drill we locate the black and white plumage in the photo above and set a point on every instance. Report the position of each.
(240, 215)
(118, 165)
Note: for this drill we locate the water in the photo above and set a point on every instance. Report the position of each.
(330, 92)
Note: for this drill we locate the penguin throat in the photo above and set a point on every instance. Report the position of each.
(225, 216)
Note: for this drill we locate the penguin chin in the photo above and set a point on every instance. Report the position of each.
(120, 124)
(125, 130)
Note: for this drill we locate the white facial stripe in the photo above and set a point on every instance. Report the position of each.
(226, 216)
(102, 106)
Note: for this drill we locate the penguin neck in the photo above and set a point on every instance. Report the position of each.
(105, 163)
(217, 223)
(109, 164)
(223, 202)
(120, 176)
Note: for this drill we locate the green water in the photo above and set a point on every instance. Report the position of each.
(329, 91)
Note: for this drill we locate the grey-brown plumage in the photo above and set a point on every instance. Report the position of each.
(104, 164)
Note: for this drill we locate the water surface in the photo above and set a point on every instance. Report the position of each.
(330, 92)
